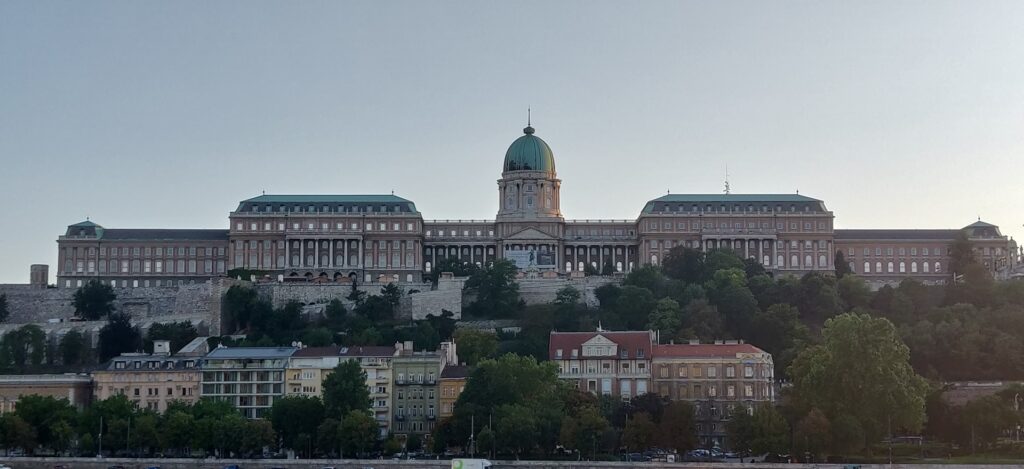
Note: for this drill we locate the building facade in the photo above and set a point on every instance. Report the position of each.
(249, 378)
(151, 381)
(416, 403)
(604, 363)
(450, 385)
(720, 379)
(76, 388)
(308, 367)
(384, 238)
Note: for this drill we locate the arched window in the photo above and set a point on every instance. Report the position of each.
(878, 267)
(766, 260)
(913, 267)
(867, 267)
(938, 267)
(780, 261)
(808, 262)
(853, 266)
(427, 266)
(794, 261)
(654, 259)
(890, 266)
(568, 266)
(579, 266)
(924, 267)
(822, 261)
(618, 266)
(903, 267)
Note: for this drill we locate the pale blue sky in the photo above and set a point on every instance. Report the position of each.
(166, 114)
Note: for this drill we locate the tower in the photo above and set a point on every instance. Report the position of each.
(529, 187)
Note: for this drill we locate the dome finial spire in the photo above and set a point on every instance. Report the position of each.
(529, 128)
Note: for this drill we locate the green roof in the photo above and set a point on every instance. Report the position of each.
(366, 203)
(716, 198)
(529, 153)
(321, 198)
(731, 203)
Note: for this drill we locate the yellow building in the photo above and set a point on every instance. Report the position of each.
(151, 381)
(452, 382)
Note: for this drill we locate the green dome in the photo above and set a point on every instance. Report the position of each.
(529, 153)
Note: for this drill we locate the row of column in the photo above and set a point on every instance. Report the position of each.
(477, 253)
(318, 249)
(596, 255)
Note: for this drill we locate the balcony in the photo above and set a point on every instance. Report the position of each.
(400, 418)
(431, 417)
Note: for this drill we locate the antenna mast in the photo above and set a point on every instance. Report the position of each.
(726, 179)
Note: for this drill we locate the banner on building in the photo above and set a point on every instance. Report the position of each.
(532, 258)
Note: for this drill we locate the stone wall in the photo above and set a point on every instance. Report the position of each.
(415, 305)
(94, 463)
(543, 290)
(52, 308)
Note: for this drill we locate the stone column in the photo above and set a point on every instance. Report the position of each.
(472, 254)
(344, 250)
(330, 248)
(625, 267)
(775, 254)
(316, 253)
(600, 266)
(302, 253)
(359, 262)
(746, 248)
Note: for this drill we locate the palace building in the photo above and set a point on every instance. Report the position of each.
(384, 238)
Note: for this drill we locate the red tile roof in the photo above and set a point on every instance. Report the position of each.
(630, 341)
(703, 350)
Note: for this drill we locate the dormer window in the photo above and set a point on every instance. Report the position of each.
(623, 354)
(640, 353)
(558, 353)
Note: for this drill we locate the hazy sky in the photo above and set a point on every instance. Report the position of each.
(166, 114)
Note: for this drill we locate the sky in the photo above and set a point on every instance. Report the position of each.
(906, 114)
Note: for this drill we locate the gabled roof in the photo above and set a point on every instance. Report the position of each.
(980, 224)
(630, 341)
(902, 235)
(703, 350)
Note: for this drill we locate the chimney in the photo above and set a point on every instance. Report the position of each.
(161, 347)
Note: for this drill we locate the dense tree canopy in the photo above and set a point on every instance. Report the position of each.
(94, 300)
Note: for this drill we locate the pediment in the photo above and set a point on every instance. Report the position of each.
(530, 234)
(599, 340)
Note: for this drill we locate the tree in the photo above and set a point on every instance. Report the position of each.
(842, 265)
(819, 299)
(328, 436)
(4, 311)
(145, 434)
(485, 441)
(392, 294)
(317, 337)
(94, 300)
(634, 305)
(177, 429)
(358, 432)
(639, 432)
(678, 428)
(291, 416)
(985, 419)
(179, 333)
(345, 390)
(257, 435)
(474, 345)
(334, 315)
(728, 291)
(495, 290)
(686, 264)
(854, 292)
(73, 348)
(17, 433)
(861, 371)
(961, 254)
(667, 317)
(517, 428)
(812, 435)
(701, 320)
(118, 336)
(23, 347)
(44, 413)
(779, 332)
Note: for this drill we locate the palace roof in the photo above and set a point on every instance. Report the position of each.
(366, 203)
(895, 235)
